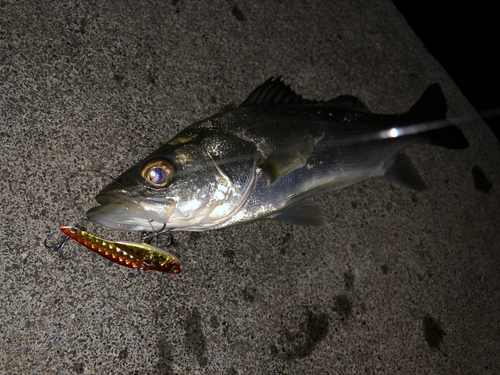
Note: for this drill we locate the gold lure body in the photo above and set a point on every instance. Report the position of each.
(129, 254)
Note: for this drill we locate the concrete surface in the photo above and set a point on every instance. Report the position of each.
(402, 283)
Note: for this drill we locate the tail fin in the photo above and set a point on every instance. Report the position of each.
(450, 137)
(431, 107)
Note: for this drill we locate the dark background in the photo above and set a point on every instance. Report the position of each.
(464, 38)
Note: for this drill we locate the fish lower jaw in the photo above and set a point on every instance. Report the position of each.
(127, 223)
(191, 226)
(196, 222)
(142, 226)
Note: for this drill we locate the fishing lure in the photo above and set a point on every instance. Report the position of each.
(129, 254)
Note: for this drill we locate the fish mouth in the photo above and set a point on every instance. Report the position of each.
(108, 198)
(126, 213)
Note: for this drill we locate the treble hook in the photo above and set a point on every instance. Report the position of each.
(148, 238)
(60, 245)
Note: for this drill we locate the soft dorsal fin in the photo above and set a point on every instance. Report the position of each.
(349, 101)
(275, 92)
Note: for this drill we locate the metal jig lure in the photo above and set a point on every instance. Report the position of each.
(142, 256)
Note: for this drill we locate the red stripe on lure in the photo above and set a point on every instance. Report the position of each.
(128, 254)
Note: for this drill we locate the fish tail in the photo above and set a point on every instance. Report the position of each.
(450, 137)
(432, 107)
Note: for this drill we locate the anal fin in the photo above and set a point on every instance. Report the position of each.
(304, 213)
(403, 172)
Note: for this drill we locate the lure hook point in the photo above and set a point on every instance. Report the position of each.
(148, 238)
(59, 246)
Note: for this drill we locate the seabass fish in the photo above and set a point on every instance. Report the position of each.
(262, 159)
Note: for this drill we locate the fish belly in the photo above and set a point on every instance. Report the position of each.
(324, 171)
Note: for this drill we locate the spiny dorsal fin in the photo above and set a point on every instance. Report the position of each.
(275, 92)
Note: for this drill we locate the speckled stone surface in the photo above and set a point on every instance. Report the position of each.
(401, 283)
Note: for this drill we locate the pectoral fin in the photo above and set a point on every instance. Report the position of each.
(304, 213)
(403, 172)
(290, 155)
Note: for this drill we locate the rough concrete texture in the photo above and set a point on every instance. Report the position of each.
(401, 283)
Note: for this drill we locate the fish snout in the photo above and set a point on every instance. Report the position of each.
(130, 214)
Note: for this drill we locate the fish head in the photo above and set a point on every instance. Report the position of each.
(194, 182)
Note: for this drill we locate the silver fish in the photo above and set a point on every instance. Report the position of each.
(262, 159)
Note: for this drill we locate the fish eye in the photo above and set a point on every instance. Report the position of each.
(158, 172)
(174, 268)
